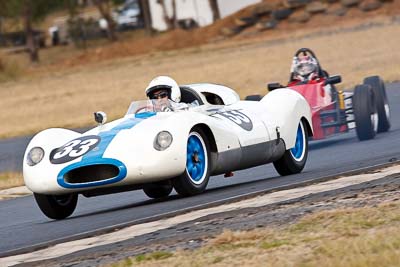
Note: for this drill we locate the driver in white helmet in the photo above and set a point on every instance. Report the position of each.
(163, 89)
(304, 69)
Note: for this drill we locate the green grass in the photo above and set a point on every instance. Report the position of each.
(157, 255)
(273, 244)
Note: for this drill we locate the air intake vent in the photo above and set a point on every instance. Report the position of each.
(92, 173)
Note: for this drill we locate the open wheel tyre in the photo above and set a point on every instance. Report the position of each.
(57, 207)
(294, 159)
(382, 104)
(195, 178)
(365, 112)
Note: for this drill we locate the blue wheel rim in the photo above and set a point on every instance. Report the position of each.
(196, 159)
(298, 150)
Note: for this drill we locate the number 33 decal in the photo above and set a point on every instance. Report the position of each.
(237, 117)
(74, 149)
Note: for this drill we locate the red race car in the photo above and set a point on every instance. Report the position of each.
(333, 111)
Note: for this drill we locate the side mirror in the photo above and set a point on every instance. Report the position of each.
(333, 80)
(273, 86)
(100, 117)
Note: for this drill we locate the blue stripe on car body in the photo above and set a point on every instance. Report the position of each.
(108, 136)
(95, 156)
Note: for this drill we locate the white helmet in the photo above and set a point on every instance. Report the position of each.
(165, 82)
(304, 66)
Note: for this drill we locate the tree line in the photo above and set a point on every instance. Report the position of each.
(33, 11)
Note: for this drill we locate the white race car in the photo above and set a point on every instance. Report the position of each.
(156, 148)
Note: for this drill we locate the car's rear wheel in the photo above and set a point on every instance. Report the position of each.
(294, 159)
(195, 178)
(365, 113)
(57, 207)
(382, 104)
(158, 190)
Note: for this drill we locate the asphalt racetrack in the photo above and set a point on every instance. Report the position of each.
(22, 224)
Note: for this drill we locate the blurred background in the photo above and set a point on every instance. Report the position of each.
(62, 60)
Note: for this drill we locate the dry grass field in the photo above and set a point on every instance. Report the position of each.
(68, 97)
(10, 179)
(352, 237)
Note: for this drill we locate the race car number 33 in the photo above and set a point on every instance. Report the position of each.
(74, 149)
(237, 117)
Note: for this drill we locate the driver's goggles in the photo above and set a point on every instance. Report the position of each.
(159, 95)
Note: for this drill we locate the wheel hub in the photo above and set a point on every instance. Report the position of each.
(195, 157)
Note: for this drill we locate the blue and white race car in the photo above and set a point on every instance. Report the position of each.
(156, 148)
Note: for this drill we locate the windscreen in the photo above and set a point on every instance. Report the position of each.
(154, 105)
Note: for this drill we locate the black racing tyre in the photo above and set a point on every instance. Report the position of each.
(57, 207)
(382, 104)
(253, 98)
(158, 190)
(365, 113)
(195, 178)
(294, 159)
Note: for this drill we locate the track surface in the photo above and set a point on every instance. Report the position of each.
(22, 223)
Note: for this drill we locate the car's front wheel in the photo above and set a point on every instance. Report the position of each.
(294, 159)
(158, 190)
(57, 207)
(195, 178)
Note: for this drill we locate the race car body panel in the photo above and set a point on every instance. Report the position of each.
(323, 108)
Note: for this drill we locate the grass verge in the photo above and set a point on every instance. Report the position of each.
(10, 179)
(352, 237)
